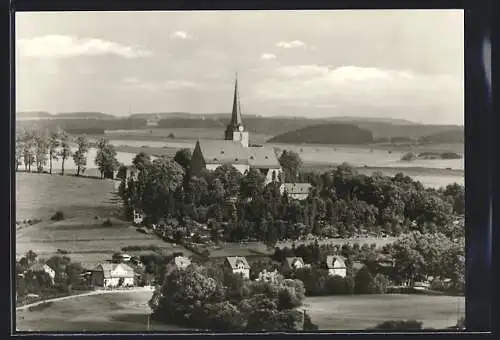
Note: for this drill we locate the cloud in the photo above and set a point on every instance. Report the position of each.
(63, 46)
(167, 85)
(355, 85)
(180, 35)
(291, 44)
(267, 56)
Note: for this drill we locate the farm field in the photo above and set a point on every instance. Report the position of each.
(128, 312)
(180, 134)
(360, 312)
(86, 203)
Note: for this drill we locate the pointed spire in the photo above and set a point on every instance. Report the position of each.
(236, 113)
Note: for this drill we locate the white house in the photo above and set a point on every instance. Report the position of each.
(297, 191)
(239, 265)
(293, 263)
(336, 266)
(177, 263)
(42, 267)
(138, 217)
(112, 275)
(268, 276)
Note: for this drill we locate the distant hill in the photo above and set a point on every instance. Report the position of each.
(455, 135)
(33, 114)
(326, 134)
(91, 115)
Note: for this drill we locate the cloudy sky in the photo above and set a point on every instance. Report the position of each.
(400, 64)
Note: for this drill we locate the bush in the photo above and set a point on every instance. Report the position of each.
(406, 325)
(107, 223)
(151, 247)
(58, 216)
(336, 285)
(62, 251)
(410, 156)
(380, 284)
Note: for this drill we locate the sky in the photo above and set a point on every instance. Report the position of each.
(405, 64)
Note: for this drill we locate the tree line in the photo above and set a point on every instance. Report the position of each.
(343, 203)
(37, 147)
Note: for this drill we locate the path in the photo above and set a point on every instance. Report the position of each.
(96, 292)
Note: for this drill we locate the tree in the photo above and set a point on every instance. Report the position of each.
(105, 158)
(53, 145)
(141, 160)
(41, 150)
(80, 155)
(290, 162)
(19, 150)
(252, 184)
(183, 158)
(28, 139)
(65, 150)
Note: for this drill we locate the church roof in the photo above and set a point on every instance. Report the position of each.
(231, 152)
(236, 113)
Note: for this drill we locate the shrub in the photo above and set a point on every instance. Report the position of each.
(58, 216)
(62, 251)
(407, 325)
(410, 156)
(380, 284)
(107, 223)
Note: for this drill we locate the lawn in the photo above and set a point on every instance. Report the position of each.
(360, 312)
(112, 312)
(128, 312)
(86, 204)
(41, 195)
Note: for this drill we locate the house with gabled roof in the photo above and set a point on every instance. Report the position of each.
(297, 191)
(43, 267)
(112, 275)
(234, 150)
(336, 265)
(177, 263)
(238, 265)
(293, 263)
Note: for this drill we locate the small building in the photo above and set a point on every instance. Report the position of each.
(357, 266)
(268, 276)
(296, 191)
(112, 275)
(42, 267)
(177, 263)
(336, 265)
(239, 265)
(138, 217)
(293, 263)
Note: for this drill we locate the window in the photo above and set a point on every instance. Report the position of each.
(222, 152)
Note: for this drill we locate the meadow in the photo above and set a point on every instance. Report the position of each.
(86, 203)
(128, 312)
(360, 312)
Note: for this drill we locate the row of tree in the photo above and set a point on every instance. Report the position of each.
(343, 203)
(34, 148)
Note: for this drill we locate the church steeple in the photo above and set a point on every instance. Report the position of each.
(235, 130)
(236, 120)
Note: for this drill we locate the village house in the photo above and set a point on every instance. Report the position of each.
(42, 267)
(112, 275)
(296, 191)
(357, 266)
(268, 276)
(336, 265)
(177, 263)
(238, 265)
(234, 150)
(293, 263)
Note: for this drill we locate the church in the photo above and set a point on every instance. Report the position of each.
(235, 149)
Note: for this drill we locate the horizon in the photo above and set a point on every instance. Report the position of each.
(402, 65)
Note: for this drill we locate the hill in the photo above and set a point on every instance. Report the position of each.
(326, 134)
(33, 114)
(455, 135)
(89, 115)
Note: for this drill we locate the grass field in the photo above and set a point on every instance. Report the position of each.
(128, 312)
(86, 203)
(192, 134)
(359, 312)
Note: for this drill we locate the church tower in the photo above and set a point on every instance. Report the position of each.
(235, 130)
